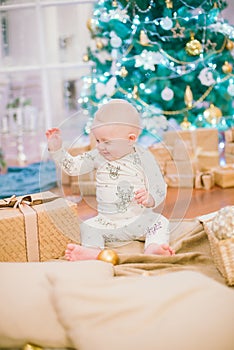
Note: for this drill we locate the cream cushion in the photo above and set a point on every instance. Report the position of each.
(26, 311)
(181, 310)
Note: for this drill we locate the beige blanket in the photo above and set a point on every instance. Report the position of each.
(83, 307)
(191, 244)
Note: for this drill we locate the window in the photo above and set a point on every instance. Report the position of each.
(42, 43)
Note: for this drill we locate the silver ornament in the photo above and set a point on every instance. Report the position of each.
(223, 223)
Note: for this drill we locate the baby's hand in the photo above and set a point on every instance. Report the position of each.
(54, 139)
(144, 197)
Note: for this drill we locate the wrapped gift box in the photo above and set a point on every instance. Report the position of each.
(229, 158)
(179, 180)
(224, 176)
(208, 160)
(204, 180)
(180, 167)
(205, 139)
(161, 152)
(37, 227)
(229, 147)
(183, 150)
(229, 135)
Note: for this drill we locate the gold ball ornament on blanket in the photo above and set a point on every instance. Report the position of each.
(109, 256)
(223, 223)
(31, 347)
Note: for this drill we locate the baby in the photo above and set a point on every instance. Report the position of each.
(129, 184)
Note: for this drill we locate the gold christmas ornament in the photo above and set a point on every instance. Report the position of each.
(123, 72)
(89, 24)
(135, 92)
(223, 223)
(188, 97)
(85, 58)
(227, 67)
(229, 45)
(31, 347)
(114, 3)
(99, 44)
(109, 256)
(193, 47)
(185, 124)
(169, 4)
(144, 40)
(212, 114)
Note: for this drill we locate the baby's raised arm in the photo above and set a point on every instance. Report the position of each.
(54, 139)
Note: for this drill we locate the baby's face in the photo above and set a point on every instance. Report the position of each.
(114, 142)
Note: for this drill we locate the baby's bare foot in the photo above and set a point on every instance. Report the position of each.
(157, 249)
(76, 252)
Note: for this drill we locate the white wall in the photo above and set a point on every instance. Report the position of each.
(228, 13)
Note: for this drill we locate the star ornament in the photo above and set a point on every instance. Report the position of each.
(178, 31)
(209, 46)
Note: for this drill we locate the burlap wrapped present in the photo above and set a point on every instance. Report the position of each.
(205, 139)
(229, 158)
(207, 159)
(179, 167)
(161, 152)
(183, 150)
(37, 227)
(204, 180)
(224, 176)
(229, 147)
(175, 180)
(229, 135)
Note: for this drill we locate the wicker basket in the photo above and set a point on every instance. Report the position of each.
(222, 251)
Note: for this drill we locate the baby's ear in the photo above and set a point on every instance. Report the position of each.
(132, 137)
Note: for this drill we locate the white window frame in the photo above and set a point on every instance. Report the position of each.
(43, 67)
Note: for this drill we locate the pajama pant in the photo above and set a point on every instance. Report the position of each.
(103, 229)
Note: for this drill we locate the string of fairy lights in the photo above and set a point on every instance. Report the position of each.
(199, 48)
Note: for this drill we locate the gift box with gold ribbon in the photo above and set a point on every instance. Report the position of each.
(229, 135)
(161, 152)
(37, 227)
(224, 176)
(207, 159)
(229, 147)
(175, 180)
(205, 139)
(229, 158)
(204, 180)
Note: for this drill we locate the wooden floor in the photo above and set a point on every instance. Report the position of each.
(180, 202)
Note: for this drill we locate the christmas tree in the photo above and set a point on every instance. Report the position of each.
(172, 59)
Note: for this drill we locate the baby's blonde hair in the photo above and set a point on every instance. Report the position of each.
(117, 112)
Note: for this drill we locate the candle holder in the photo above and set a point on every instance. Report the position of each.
(17, 122)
